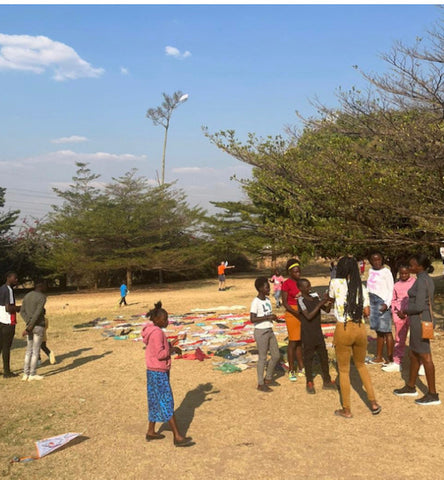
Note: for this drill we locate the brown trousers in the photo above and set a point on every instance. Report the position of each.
(351, 339)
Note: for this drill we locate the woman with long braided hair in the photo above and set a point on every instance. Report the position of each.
(351, 306)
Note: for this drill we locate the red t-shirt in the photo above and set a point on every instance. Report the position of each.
(292, 289)
(221, 270)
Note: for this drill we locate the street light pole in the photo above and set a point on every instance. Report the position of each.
(162, 115)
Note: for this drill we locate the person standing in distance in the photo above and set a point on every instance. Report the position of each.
(123, 294)
(221, 274)
(8, 321)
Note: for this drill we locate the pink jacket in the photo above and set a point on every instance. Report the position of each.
(401, 296)
(157, 352)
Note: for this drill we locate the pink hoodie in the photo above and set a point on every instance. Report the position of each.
(157, 352)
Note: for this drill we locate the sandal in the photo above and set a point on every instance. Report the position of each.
(341, 413)
(376, 410)
(185, 442)
(156, 436)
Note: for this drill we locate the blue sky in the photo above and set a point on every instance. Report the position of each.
(101, 67)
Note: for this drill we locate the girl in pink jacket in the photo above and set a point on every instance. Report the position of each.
(158, 363)
(399, 303)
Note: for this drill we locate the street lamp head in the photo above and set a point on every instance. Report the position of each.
(183, 98)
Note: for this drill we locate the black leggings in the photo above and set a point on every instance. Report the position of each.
(309, 353)
(45, 348)
(7, 333)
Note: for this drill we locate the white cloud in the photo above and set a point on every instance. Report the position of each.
(175, 52)
(71, 139)
(68, 157)
(38, 54)
(192, 170)
(124, 71)
(206, 184)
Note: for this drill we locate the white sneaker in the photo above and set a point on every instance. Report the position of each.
(421, 371)
(391, 367)
(25, 377)
(34, 377)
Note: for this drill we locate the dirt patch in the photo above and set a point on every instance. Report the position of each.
(98, 389)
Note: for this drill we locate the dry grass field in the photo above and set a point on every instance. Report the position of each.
(98, 388)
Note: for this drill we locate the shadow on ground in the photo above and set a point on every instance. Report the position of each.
(78, 362)
(187, 409)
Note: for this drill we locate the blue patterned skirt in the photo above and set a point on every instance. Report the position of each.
(160, 396)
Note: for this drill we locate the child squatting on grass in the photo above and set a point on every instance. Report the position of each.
(158, 364)
(262, 317)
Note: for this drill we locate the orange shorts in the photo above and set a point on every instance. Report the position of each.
(293, 327)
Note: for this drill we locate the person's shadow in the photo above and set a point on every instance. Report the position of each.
(186, 410)
(77, 362)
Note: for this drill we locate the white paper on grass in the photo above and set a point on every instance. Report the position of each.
(48, 445)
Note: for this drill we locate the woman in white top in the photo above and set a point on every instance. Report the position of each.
(350, 338)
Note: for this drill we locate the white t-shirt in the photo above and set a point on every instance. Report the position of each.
(261, 308)
(380, 282)
(339, 290)
(8, 297)
(441, 251)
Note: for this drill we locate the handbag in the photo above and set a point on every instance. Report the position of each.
(427, 330)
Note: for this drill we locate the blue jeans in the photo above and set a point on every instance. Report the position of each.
(380, 322)
(34, 341)
(277, 296)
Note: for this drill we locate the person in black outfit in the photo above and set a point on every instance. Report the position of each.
(8, 321)
(310, 306)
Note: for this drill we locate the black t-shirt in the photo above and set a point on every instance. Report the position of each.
(311, 331)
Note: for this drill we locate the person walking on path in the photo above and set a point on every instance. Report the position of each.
(33, 313)
(123, 294)
(351, 305)
(8, 321)
(400, 302)
(419, 309)
(221, 274)
(262, 318)
(380, 287)
(290, 294)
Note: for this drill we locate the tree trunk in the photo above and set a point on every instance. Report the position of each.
(160, 275)
(129, 278)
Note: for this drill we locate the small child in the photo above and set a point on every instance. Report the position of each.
(262, 317)
(123, 293)
(158, 363)
(400, 303)
(277, 280)
(310, 306)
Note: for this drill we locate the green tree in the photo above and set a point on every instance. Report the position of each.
(71, 229)
(367, 174)
(7, 223)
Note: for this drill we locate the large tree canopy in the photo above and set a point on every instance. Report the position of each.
(367, 174)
